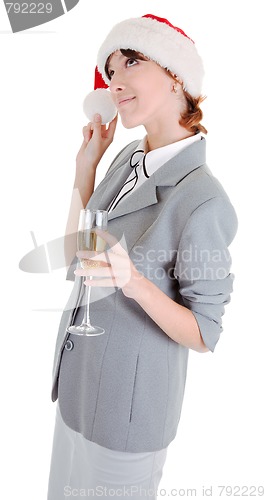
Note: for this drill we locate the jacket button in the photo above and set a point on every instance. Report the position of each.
(69, 345)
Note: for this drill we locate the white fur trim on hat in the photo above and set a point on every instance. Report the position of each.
(160, 43)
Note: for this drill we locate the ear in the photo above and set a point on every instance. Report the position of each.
(175, 81)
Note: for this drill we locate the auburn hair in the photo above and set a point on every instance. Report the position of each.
(192, 116)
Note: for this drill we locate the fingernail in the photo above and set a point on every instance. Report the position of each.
(97, 118)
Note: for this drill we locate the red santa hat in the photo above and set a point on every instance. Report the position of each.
(161, 42)
(157, 39)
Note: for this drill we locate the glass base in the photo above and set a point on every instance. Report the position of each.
(85, 329)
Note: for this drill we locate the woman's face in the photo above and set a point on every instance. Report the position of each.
(141, 90)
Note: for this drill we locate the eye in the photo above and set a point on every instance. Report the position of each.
(110, 73)
(131, 62)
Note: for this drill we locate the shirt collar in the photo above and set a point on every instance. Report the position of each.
(156, 158)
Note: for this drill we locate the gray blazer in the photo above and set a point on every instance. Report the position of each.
(124, 389)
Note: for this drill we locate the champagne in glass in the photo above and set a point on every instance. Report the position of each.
(88, 239)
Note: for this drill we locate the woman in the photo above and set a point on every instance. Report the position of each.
(165, 279)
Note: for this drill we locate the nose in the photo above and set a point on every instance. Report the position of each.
(117, 83)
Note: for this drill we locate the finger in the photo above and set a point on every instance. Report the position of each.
(112, 241)
(86, 128)
(87, 132)
(85, 254)
(109, 283)
(112, 125)
(97, 124)
(94, 271)
(90, 255)
(105, 259)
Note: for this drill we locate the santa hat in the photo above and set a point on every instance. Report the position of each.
(157, 39)
(161, 42)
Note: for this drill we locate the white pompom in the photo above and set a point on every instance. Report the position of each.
(100, 101)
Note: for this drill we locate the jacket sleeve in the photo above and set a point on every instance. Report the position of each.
(203, 265)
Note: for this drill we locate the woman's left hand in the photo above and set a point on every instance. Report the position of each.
(115, 270)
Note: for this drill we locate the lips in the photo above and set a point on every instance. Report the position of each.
(125, 101)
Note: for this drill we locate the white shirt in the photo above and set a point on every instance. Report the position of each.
(153, 161)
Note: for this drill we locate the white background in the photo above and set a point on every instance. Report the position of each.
(45, 74)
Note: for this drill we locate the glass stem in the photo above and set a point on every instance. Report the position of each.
(86, 319)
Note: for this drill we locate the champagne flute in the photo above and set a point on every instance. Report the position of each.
(88, 239)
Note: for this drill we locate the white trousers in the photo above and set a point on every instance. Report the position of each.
(83, 469)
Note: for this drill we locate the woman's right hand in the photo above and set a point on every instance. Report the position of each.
(97, 138)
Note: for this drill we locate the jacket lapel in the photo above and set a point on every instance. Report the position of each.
(113, 180)
(170, 174)
(143, 197)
